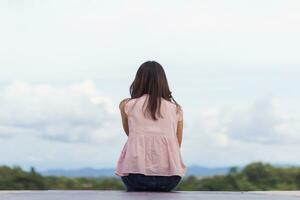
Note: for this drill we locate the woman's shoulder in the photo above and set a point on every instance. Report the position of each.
(130, 101)
(172, 104)
(176, 108)
(123, 102)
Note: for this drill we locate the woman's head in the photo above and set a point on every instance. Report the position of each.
(151, 79)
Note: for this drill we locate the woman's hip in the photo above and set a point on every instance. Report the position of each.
(141, 182)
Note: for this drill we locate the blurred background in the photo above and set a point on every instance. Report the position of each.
(233, 65)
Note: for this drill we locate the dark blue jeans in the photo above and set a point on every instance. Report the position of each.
(141, 182)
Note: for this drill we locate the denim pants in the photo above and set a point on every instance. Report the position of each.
(141, 182)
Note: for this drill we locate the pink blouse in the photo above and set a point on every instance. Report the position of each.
(152, 147)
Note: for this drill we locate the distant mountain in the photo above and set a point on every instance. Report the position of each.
(82, 172)
(91, 172)
(206, 171)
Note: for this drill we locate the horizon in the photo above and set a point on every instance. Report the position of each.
(193, 170)
(284, 165)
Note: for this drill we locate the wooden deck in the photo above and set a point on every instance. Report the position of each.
(122, 195)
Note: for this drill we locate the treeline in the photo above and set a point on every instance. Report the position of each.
(17, 179)
(255, 176)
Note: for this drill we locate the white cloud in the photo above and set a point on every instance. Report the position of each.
(255, 124)
(267, 121)
(58, 119)
(45, 39)
(242, 134)
(74, 113)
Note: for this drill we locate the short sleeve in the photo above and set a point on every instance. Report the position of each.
(180, 114)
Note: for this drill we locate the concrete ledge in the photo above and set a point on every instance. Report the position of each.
(122, 195)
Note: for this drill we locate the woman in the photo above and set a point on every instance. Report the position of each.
(153, 121)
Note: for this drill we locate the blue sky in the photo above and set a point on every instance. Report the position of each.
(65, 65)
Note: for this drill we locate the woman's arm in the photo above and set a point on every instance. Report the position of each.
(124, 116)
(179, 125)
(179, 132)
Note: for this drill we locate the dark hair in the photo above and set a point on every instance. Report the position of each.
(151, 79)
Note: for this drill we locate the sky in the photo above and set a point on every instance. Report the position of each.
(65, 65)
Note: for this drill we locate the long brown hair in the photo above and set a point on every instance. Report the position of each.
(151, 79)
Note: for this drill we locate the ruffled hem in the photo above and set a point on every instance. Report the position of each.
(148, 174)
(162, 158)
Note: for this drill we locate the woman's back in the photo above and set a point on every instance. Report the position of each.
(152, 147)
(139, 124)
